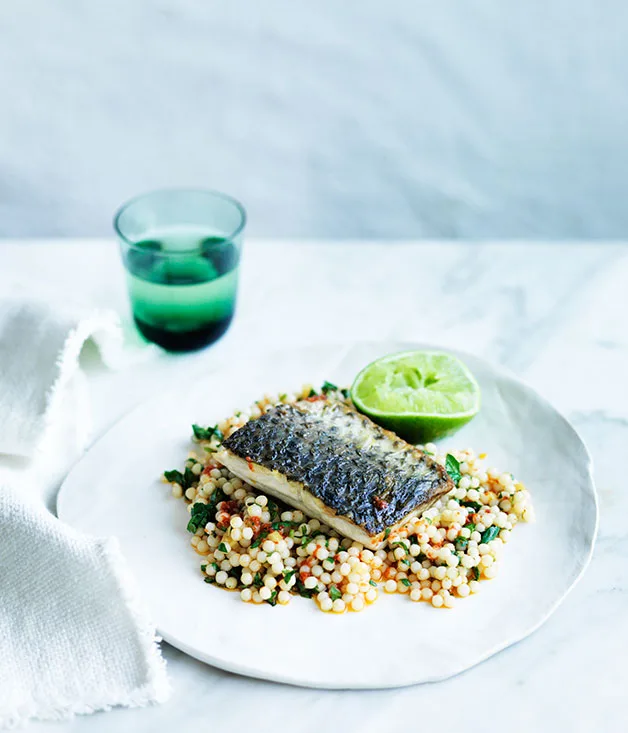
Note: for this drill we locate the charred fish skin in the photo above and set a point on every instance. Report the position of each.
(356, 468)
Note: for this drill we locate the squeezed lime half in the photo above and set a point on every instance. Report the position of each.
(420, 395)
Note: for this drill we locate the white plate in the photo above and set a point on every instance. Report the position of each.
(116, 490)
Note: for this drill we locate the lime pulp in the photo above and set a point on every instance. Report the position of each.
(420, 395)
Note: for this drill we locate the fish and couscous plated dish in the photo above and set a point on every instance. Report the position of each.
(302, 495)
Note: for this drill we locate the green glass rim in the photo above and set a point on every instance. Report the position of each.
(203, 191)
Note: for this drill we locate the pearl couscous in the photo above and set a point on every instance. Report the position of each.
(268, 552)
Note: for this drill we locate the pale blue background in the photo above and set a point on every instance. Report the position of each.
(340, 118)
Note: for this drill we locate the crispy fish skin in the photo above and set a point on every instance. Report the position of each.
(337, 465)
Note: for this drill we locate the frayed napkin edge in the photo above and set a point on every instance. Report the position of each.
(156, 689)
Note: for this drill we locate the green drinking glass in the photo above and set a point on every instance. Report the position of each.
(181, 251)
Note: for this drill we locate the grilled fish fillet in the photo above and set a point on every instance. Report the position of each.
(337, 465)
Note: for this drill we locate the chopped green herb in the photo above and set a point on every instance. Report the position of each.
(461, 543)
(218, 496)
(470, 526)
(259, 539)
(305, 540)
(303, 591)
(283, 397)
(209, 449)
(207, 579)
(272, 601)
(489, 534)
(345, 393)
(236, 573)
(373, 583)
(452, 466)
(406, 582)
(273, 508)
(400, 544)
(405, 562)
(387, 533)
(476, 506)
(201, 433)
(283, 525)
(223, 548)
(428, 519)
(201, 514)
(313, 393)
(288, 574)
(215, 566)
(189, 478)
(174, 477)
(334, 593)
(257, 580)
(203, 567)
(328, 387)
(476, 573)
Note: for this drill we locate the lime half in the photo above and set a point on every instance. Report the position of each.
(420, 395)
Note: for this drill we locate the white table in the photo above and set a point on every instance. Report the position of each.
(553, 313)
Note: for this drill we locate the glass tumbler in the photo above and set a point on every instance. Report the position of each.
(181, 251)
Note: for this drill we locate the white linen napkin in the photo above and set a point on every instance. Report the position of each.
(73, 636)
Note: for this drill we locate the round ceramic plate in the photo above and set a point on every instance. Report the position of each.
(116, 490)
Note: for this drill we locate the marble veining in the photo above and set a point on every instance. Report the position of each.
(553, 313)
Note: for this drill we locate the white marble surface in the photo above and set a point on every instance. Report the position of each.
(553, 313)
